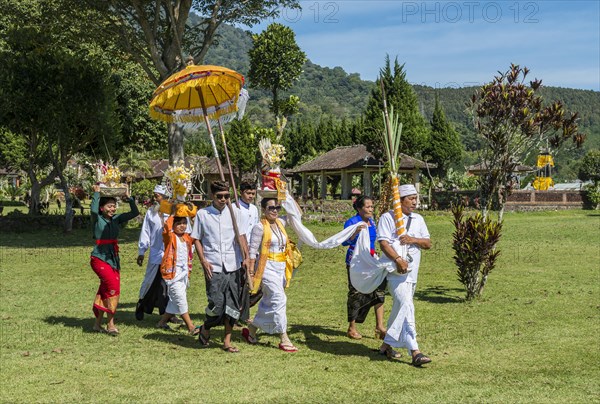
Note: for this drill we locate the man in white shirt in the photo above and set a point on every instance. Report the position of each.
(153, 289)
(248, 218)
(221, 258)
(248, 211)
(401, 324)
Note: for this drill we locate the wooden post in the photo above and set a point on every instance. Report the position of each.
(323, 185)
(346, 185)
(304, 186)
(367, 182)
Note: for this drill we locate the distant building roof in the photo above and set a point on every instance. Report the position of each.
(357, 156)
(570, 186)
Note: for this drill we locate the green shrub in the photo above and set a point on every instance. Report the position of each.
(592, 196)
(474, 244)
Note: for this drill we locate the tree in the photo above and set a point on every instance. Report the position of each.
(242, 145)
(590, 167)
(444, 146)
(512, 121)
(55, 95)
(401, 96)
(590, 170)
(276, 64)
(157, 35)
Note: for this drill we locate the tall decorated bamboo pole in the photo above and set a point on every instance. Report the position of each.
(391, 141)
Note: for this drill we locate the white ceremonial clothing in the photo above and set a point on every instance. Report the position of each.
(271, 315)
(386, 230)
(214, 230)
(151, 238)
(401, 332)
(177, 287)
(367, 272)
(294, 218)
(248, 217)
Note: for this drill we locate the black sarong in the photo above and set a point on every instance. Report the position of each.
(156, 296)
(360, 303)
(223, 294)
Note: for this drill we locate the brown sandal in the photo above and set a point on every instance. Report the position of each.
(230, 349)
(380, 334)
(353, 335)
(390, 353)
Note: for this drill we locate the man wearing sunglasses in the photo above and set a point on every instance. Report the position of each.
(220, 256)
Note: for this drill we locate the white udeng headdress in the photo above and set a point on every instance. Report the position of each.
(406, 190)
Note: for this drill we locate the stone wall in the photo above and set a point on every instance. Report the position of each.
(518, 200)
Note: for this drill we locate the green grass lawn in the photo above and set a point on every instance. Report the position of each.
(533, 337)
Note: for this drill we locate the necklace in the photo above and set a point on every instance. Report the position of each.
(279, 235)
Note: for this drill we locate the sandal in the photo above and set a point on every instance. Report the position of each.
(380, 334)
(353, 335)
(175, 320)
(420, 359)
(112, 332)
(288, 348)
(165, 327)
(390, 353)
(202, 338)
(230, 349)
(195, 331)
(249, 338)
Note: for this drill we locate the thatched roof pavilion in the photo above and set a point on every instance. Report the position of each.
(347, 161)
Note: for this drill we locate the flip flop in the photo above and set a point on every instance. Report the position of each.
(175, 320)
(390, 353)
(203, 339)
(288, 348)
(230, 349)
(165, 327)
(249, 338)
(195, 331)
(420, 359)
(353, 335)
(113, 332)
(379, 334)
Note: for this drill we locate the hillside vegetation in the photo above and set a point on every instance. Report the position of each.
(334, 93)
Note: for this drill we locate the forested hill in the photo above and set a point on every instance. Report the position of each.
(332, 91)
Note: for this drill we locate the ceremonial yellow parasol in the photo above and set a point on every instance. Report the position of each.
(195, 93)
(201, 94)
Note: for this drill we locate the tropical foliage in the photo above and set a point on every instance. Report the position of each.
(474, 244)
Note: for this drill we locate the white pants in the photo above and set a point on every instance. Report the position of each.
(401, 331)
(177, 290)
(271, 316)
(151, 270)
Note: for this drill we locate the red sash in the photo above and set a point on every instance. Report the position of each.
(114, 242)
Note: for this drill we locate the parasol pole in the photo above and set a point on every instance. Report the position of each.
(235, 194)
(238, 237)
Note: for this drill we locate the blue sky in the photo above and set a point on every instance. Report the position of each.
(453, 43)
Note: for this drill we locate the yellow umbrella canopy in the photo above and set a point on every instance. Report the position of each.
(195, 92)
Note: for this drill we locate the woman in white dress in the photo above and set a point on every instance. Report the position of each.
(268, 258)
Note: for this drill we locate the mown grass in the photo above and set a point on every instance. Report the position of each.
(533, 337)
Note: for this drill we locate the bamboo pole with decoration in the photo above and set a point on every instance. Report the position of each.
(391, 140)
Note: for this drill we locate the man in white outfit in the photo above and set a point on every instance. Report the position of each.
(153, 289)
(401, 331)
(248, 214)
